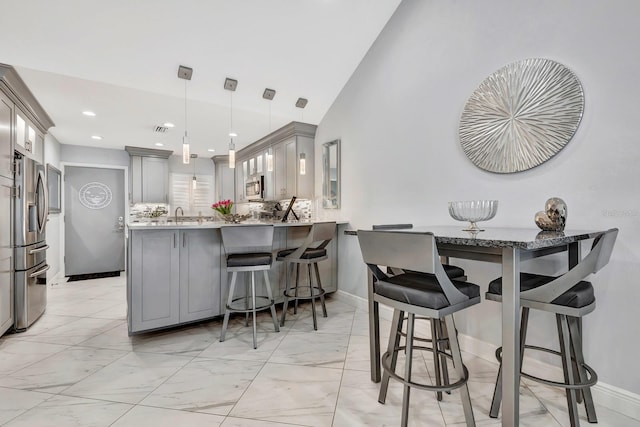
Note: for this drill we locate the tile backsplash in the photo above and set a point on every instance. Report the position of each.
(302, 207)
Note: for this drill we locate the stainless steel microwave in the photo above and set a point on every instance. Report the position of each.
(254, 187)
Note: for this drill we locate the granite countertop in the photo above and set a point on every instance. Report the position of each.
(148, 225)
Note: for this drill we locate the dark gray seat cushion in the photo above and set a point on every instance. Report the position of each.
(578, 296)
(249, 260)
(451, 270)
(310, 253)
(422, 290)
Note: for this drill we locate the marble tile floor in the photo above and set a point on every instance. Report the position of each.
(76, 366)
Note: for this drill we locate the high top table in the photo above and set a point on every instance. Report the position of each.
(507, 246)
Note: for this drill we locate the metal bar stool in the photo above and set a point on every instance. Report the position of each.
(423, 289)
(248, 249)
(437, 326)
(322, 232)
(569, 297)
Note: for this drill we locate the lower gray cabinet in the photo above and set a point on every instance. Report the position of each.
(199, 274)
(154, 263)
(173, 277)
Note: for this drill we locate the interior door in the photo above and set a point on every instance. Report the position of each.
(94, 220)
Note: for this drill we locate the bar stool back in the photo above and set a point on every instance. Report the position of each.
(423, 289)
(248, 249)
(321, 233)
(569, 297)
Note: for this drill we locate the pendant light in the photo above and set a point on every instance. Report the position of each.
(303, 164)
(185, 73)
(194, 181)
(301, 103)
(231, 85)
(269, 94)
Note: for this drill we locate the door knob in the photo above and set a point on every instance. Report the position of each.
(120, 223)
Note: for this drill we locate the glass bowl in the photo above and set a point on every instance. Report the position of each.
(473, 211)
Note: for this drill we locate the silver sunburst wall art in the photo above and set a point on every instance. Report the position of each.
(521, 116)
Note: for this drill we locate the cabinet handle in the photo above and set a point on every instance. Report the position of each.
(184, 240)
(174, 240)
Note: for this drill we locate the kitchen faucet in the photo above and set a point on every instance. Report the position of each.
(176, 213)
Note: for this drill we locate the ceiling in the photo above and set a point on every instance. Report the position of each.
(120, 60)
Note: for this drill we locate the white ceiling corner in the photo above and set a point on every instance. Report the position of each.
(120, 59)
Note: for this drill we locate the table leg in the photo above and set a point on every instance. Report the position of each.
(510, 336)
(374, 331)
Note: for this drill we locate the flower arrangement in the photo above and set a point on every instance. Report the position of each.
(223, 207)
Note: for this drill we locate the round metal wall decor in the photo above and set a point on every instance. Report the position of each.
(95, 195)
(521, 116)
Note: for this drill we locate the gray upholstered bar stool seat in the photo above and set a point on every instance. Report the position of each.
(570, 298)
(306, 254)
(423, 289)
(248, 249)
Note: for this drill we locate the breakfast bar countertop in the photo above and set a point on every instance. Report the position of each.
(149, 225)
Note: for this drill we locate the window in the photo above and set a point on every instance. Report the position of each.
(190, 200)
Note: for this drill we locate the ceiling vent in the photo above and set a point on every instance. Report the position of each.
(161, 129)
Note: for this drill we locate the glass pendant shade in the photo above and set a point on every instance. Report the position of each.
(232, 155)
(186, 155)
(303, 164)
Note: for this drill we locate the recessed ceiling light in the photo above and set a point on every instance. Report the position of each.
(168, 125)
(98, 137)
(159, 144)
(211, 150)
(89, 113)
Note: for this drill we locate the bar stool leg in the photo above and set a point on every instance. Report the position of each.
(246, 299)
(313, 298)
(404, 422)
(287, 288)
(295, 305)
(253, 309)
(565, 344)
(394, 342)
(436, 356)
(232, 288)
(274, 316)
(442, 335)
(319, 282)
(497, 392)
(459, 367)
(576, 337)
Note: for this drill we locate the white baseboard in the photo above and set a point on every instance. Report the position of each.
(611, 397)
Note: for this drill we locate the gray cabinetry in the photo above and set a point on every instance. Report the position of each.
(199, 274)
(225, 178)
(149, 170)
(173, 277)
(155, 277)
(6, 256)
(283, 175)
(6, 148)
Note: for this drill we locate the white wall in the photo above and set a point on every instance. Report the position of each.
(398, 118)
(52, 156)
(91, 155)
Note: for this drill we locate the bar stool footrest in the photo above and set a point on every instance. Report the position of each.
(445, 387)
(314, 289)
(268, 303)
(593, 376)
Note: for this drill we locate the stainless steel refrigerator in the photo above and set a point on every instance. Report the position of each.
(30, 218)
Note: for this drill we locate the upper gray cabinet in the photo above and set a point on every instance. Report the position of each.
(285, 158)
(149, 171)
(28, 122)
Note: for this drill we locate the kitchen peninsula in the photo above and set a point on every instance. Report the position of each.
(176, 272)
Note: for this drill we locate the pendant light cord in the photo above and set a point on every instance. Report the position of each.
(185, 107)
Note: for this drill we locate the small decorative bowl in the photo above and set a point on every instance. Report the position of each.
(473, 211)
